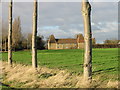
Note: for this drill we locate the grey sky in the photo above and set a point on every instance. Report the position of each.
(64, 20)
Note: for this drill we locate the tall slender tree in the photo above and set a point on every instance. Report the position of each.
(10, 35)
(4, 36)
(34, 35)
(16, 34)
(86, 11)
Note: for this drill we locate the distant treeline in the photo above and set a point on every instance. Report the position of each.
(106, 46)
(20, 41)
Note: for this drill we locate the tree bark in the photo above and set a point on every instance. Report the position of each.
(34, 34)
(10, 35)
(86, 11)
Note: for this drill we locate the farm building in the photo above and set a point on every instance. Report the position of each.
(66, 43)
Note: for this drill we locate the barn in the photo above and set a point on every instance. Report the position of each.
(66, 43)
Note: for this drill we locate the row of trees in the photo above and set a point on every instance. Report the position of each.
(19, 41)
(16, 28)
(86, 11)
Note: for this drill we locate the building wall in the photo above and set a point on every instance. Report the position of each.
(52, 45)
(60, 46)
(67, 46)
(80, 45)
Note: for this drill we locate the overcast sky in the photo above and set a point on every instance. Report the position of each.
(64, 20)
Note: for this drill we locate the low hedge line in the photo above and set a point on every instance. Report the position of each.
(106, 46)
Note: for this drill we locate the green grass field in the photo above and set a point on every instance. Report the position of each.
(105, 61)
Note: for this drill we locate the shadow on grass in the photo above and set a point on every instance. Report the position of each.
(5, 86)
(106, 70)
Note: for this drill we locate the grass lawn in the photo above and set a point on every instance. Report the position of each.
(105, 61)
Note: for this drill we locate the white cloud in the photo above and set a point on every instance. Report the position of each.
(68, 17)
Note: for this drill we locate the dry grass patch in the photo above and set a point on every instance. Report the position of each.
(25, 76)
(112, 84)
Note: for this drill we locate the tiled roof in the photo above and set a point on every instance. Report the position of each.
(68, 40)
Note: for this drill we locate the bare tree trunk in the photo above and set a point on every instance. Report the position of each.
(10, 35)
(34, 34)
(86, 11)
